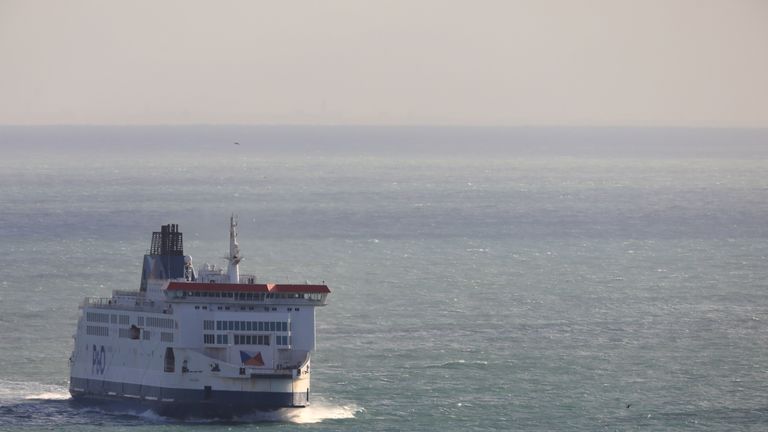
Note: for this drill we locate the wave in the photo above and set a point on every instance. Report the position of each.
(457, 364)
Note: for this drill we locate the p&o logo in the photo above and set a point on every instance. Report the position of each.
(99, 362)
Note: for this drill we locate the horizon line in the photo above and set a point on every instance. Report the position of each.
(381, 126)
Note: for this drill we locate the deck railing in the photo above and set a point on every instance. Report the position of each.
(248, 279)
(112, 303)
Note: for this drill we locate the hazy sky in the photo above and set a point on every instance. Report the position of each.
(482, 62)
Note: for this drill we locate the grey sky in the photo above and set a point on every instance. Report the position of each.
(613, 62)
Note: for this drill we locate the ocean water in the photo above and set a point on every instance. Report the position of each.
(564, 287)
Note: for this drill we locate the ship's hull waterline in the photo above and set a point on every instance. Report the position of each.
(182, 403)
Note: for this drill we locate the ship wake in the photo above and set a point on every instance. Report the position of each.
(20, 391)
(319, 411)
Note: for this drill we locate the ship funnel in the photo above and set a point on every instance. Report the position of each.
(168, 241)
(165, 259)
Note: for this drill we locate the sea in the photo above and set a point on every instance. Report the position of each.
(483, 279)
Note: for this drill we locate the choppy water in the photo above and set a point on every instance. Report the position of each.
(519, 292)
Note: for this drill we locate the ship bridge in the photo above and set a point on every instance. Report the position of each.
(272, 293)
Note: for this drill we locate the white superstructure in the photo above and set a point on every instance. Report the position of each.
(204, 342)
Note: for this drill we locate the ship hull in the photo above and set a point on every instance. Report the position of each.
(182, 403)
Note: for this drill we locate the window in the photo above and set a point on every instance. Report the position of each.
(146, 334)
(166, 337)
(251, 339)
(207, 325)
(170, 360)
(218, 325)
(208, 339)
(161, 322)
(97, 330)
(97, 317)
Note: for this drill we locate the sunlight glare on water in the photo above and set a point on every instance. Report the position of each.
(515, 293)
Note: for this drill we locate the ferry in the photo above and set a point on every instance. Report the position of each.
(209, 342)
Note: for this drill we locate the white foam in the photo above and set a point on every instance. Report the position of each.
(50, 396)
(319, 411)
(24, 390)
(152, 416)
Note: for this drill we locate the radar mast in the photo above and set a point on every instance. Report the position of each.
(234, 257)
